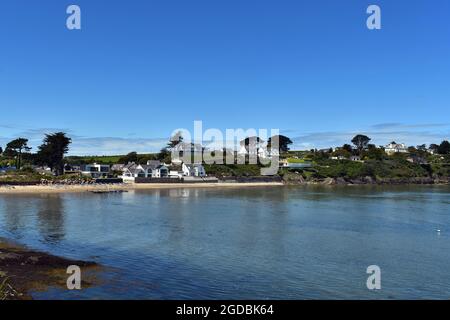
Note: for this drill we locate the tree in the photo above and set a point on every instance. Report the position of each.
(164, 155)
(130, 157)
(1, 151)
(347, 148)
(374, 153)
(16, 148)
(52, 150)
(412, 149)
(422, 147)
(251, 142)
(444, 147)
(434, 147)
(283, 143)
(360, 141)
(175, 140)
(341, 152)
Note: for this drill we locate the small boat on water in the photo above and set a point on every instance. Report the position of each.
(108, 191)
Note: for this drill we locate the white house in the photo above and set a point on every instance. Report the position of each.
(338, 158)
(129, 172)
(193, 170)
(254, 147)
(393, 148)
(160, 171)
(153, 169)
(184, 149)
(95, 170)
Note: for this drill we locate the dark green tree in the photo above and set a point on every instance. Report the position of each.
(130, 157)
(434, 147)
(251, 142)
(164, 155)
(444, 147)
(374, 153)
(347, 148)
(175, 140)
(52, 151)
(361, 141)
(16, 148)
(422, 147)
(283, 143)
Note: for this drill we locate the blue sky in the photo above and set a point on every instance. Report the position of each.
(140, 69)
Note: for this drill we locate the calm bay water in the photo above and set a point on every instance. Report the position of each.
(255, 243)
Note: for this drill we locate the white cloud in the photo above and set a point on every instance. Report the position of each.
(411, 134)
(115, 146)
(380, 135)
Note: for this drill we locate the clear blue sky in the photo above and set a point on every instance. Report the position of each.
(140, 69)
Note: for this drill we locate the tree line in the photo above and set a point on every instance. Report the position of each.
(50, 153)
(361, 143)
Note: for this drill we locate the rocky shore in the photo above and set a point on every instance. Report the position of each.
(23, 271)
(300, 180)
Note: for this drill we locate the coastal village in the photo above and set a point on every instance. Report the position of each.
(361, 160)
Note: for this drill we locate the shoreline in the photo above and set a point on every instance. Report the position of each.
(128, 187)
(23, 271)
(125, 187)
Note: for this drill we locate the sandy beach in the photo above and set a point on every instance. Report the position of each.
(127, 187)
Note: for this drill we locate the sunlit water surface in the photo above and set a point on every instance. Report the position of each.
(254, 243)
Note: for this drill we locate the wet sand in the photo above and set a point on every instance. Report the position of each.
(23, 271)
(126, 187)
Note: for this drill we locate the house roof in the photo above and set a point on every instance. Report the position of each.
(117, 167)
(192, 165)
(153, 164)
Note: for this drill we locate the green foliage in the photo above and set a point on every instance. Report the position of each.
(374, 153)
(444, 147)
(361, 141)
(164, 155)
(175, 140)
(130, 157)
(283, 143)
(394, 168)
(52, 150)
(74, 160)
(233, 170)
(16, 148)
(295, 160)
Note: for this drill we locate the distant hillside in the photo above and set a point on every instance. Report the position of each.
(101, 159)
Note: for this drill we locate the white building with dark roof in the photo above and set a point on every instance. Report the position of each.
(193, 170)
(153, 169)
(394, 147)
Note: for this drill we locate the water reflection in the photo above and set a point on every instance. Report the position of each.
(255, 243)
(14, 211)
(50, 215)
